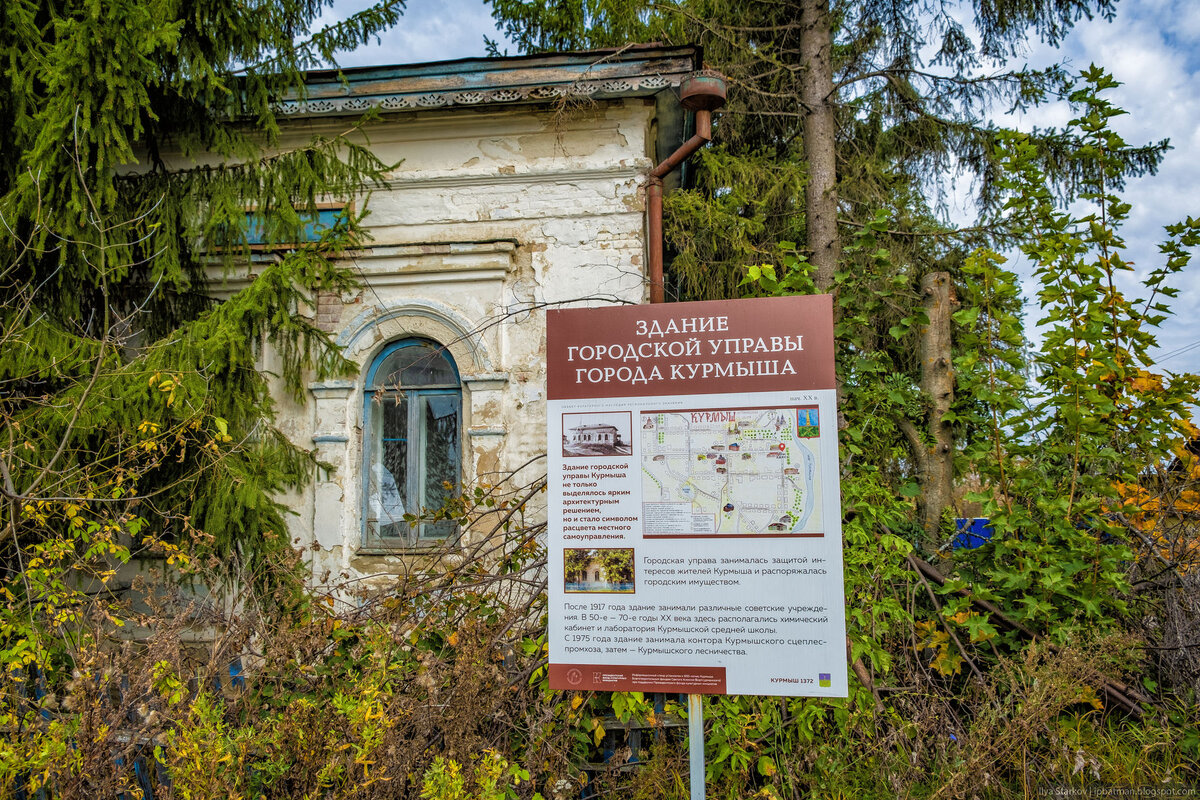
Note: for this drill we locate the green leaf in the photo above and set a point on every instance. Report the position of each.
(966, 316)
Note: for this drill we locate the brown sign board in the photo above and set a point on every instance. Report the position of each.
(760, 344)
(693, 509)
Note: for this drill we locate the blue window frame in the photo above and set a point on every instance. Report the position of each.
(313, 225)
(412, 454)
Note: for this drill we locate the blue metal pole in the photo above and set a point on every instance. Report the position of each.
(696, 744)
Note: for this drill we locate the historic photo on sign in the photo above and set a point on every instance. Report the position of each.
(597, 434)
(604, 570)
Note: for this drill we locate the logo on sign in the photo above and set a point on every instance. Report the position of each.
(574, 676)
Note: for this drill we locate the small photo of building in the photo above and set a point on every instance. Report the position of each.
(597, 434)
(604, 570)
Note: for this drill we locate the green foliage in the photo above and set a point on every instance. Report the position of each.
(582, 24)
(742, 204)
(1048, 440)
(435, 688)
(332, 704)
(877, 313)
(136, 413)
(1095, 418)
(576, 561)
(617, 565)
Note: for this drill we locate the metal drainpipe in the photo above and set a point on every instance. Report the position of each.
(702, 92)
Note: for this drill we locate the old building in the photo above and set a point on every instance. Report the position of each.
(521, 186)
(589, 434)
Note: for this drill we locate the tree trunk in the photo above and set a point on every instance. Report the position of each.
(936, 459)
(819, 130)
(937, 385)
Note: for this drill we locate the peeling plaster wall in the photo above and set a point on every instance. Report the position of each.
(489, 217)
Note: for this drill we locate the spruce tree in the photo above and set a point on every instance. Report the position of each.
(139, 152)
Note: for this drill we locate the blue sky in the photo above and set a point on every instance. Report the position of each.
(1152, 47)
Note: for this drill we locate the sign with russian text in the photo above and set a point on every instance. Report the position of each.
(695, 518)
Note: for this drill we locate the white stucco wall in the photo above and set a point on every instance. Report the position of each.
(491, 216)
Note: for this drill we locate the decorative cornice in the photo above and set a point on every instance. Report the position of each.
(336, 389)
(632, 71)
(594, 90)
(486, 380)
(612, 172)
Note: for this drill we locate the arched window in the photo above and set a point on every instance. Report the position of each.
(411, 442)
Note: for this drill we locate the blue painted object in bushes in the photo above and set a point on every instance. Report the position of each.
(972, 533)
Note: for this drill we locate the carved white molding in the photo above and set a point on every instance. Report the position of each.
(371, 320)
(476, 97)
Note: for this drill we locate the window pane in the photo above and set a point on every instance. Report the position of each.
(389, 470)
(415, 365)
(441, 460)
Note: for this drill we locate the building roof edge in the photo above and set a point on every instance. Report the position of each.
(631, 71)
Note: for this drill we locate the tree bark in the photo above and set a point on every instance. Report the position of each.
(936, 459)
(819, 131)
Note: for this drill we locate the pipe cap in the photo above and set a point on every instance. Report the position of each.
(703, 90)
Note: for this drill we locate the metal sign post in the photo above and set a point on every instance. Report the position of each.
(696, 744)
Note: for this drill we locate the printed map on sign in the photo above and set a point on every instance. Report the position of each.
(731, 472)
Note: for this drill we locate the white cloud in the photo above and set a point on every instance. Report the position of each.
(430, 30)
(1151, 47)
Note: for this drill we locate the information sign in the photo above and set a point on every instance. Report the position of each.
(695, 521)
